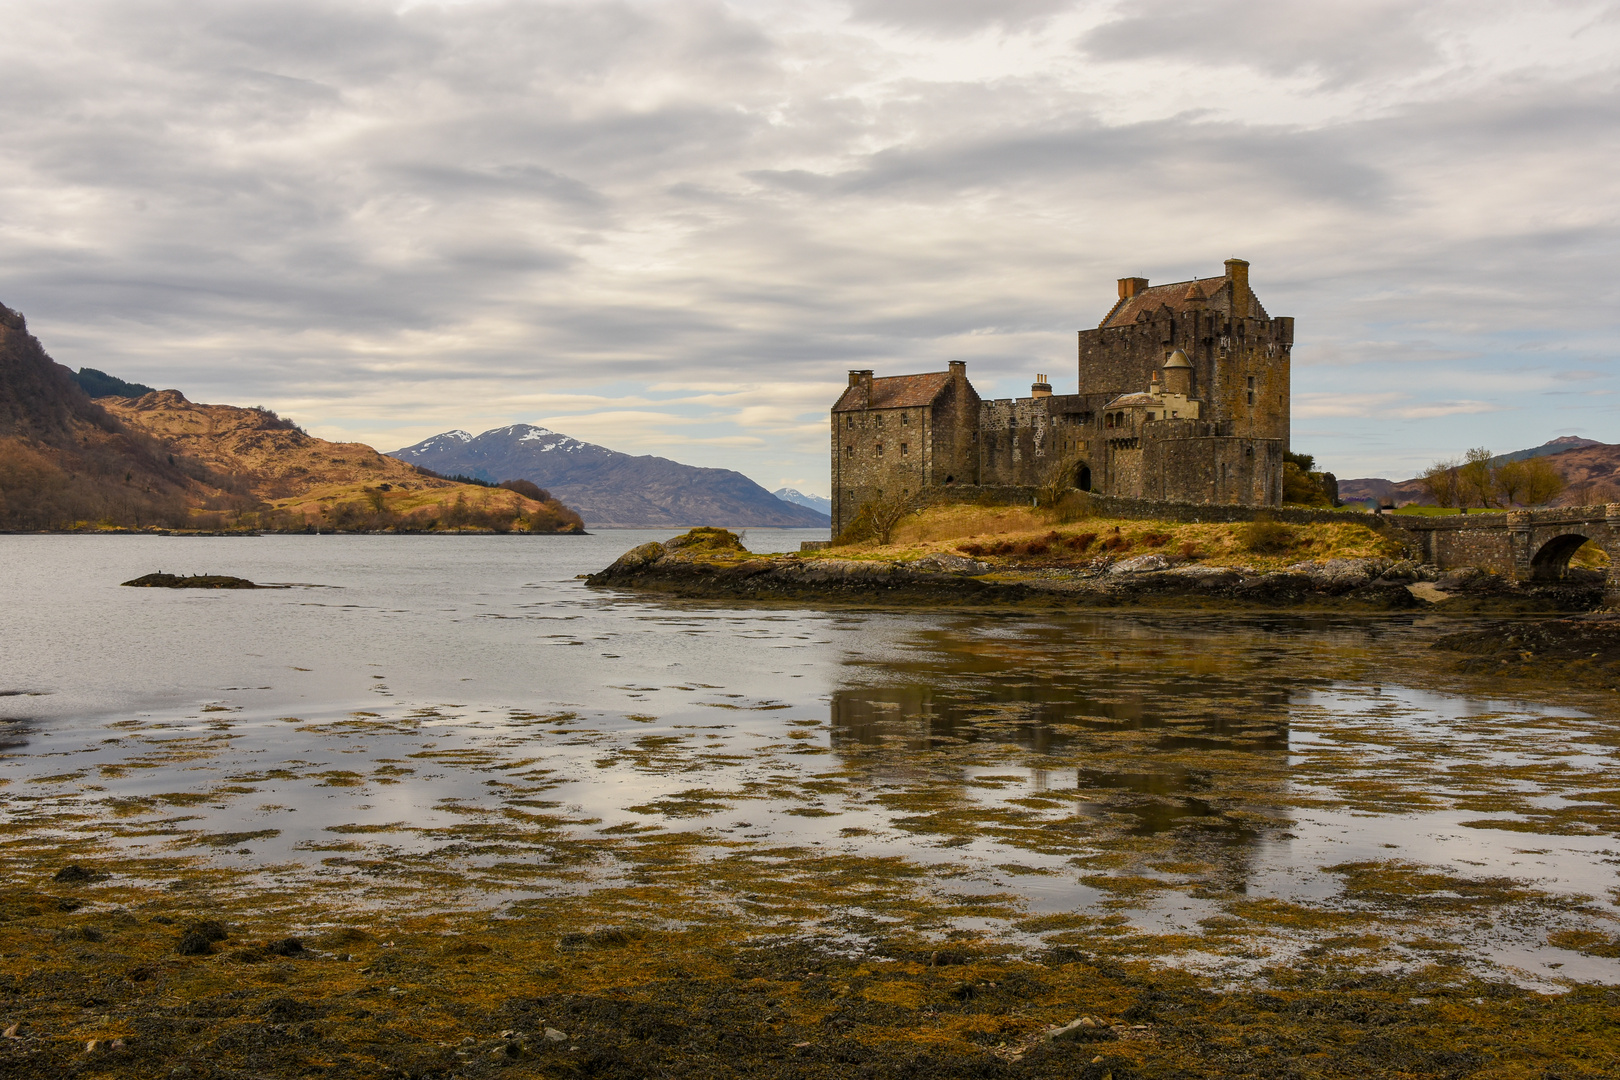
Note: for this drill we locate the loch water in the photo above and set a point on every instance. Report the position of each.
(462, 721)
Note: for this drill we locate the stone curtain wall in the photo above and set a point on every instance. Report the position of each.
(1110, 506)
(1192, 513)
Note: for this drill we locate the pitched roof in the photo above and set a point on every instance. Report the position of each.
(1127, 401)
(896, 392)
(1178, 296)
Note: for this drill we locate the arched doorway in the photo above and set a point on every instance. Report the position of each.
(1082, 477)
(1551, 562)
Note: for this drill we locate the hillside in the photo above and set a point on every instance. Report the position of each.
(271, 468)
(1590, 468)
(611, 489)
(64, 459)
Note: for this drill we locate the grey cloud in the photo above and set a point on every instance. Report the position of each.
(956, 16)
(263, 202)
(1169, 156)
(1342, 41)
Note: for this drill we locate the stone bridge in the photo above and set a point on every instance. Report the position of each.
(1526, 545)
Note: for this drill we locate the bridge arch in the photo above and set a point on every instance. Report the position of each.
(1551, 560)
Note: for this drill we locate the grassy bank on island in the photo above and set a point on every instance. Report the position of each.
(1066, 536)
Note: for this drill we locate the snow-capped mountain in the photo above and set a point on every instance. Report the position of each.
(815, 502)
(609, 488)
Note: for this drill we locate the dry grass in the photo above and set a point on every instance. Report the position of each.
(1589, 557)
(311, 503)
(968, 529)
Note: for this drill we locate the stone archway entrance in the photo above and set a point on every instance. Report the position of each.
(1551, 560)
(1082, 476)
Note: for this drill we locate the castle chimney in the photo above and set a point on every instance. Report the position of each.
(863, 379)
(1040, 388)
(1130, 286)
(1237, 272)
(959, 369)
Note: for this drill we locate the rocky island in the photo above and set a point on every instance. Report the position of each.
(1012, 557)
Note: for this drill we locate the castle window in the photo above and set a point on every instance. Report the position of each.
(905, 418)
(849, 451)
(904, 449)
(1150, 416)
(879, 449)
(1251, 389)
(849, 421)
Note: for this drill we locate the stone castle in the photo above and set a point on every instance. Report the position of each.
(1183, 397)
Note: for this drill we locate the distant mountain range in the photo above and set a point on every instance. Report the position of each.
(610, 489)
(1587, 465)
(819, 503)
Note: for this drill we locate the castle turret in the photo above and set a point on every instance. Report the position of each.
(1178, 372)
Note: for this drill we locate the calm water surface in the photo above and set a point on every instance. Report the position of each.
(1222, 790)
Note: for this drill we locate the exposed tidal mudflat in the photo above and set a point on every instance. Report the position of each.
(487, 798)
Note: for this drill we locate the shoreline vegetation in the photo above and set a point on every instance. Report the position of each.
(192, 980)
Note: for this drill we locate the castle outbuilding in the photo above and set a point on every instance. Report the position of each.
(1183, 396)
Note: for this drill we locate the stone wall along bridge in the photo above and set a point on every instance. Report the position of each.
(1526, 545)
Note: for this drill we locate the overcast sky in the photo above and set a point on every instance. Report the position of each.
(670, 227)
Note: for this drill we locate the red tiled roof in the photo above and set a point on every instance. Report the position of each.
(1177, 296)
(896, 392)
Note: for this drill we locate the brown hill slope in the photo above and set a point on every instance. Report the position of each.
(1592, 471)
(286, 478)
(64, 460)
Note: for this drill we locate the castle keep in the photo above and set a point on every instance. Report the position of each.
(1182, 397)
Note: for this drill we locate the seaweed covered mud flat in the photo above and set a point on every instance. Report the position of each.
(590, 833)
(1078, 569)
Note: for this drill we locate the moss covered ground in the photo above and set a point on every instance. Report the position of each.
(1240, 847)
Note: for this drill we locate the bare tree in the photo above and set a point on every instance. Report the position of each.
(1478, 477)
(1542, 481)
(1057, 479)
(1511, 477)
(1443, 482)
(877, 518)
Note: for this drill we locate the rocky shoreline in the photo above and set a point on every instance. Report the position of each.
(706, 564)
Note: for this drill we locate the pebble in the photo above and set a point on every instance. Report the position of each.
(556, 1036)
(1083, 1028)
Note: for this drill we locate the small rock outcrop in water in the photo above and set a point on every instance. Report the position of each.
(193, 581)
(713, 563)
